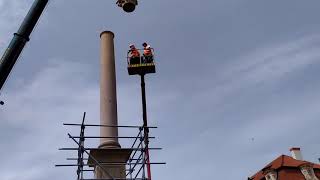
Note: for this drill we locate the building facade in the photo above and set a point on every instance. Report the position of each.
(289, 168)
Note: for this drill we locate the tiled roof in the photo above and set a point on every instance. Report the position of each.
(282, 161)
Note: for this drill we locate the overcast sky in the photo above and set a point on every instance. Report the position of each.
(237, 83)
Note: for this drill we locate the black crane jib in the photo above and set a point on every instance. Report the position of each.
(19, 40)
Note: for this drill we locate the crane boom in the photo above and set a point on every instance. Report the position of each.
(20, 39)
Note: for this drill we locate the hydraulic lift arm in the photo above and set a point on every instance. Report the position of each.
(20, 39)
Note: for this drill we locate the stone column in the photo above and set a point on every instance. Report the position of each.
(109, 154)
(108, 93)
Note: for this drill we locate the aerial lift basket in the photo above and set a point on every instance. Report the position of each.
(141, 65)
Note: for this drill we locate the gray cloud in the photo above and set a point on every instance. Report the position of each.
(228, 71)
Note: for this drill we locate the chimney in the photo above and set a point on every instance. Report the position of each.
(296, 153)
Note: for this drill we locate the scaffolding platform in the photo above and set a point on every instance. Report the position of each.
(134, 159)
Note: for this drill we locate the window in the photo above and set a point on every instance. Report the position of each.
(308, 172)
(271, 175)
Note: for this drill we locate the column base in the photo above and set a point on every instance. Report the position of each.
(110, 144)
(112, 160)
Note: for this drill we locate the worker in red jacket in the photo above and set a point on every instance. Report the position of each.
(147, 53)
(134, 55)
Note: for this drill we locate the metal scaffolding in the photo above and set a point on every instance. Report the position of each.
(137, 166)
